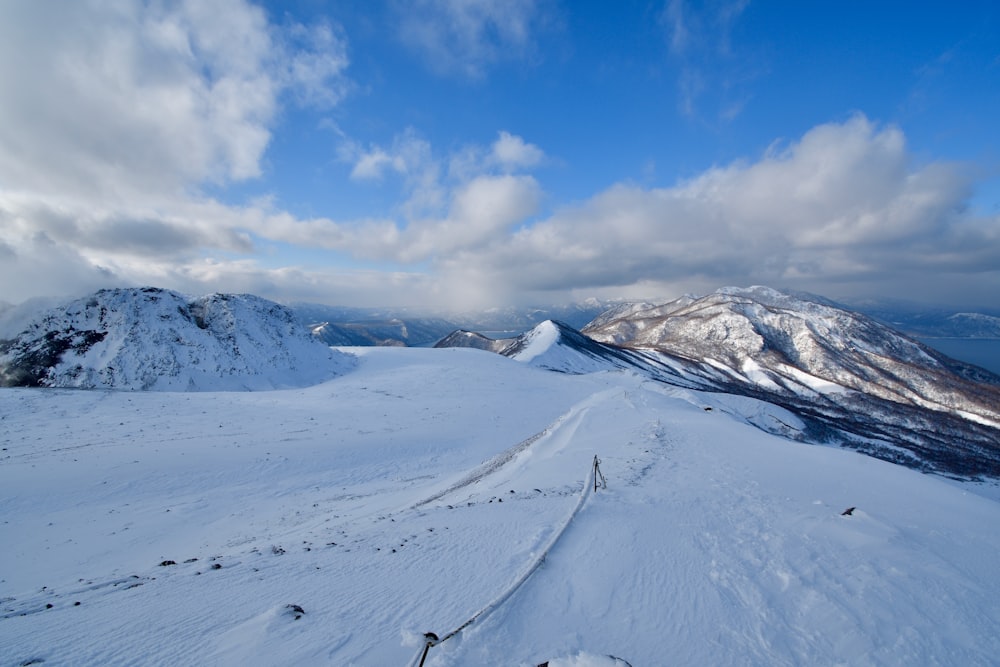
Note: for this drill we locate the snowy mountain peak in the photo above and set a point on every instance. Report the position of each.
(559, 347)
(153, 339)
(539, 341)
(793, 344)
(551, 345)
(755, 292)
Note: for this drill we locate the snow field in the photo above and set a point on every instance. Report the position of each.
(403, 496)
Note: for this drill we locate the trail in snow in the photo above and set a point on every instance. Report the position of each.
(538, 558)
(397, 499)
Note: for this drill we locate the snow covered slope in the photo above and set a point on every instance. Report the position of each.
(805, 346)
(153, 339)
(335, 524)
(858, 382)
(848, 380)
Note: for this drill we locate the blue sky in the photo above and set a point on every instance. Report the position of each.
(468, 153)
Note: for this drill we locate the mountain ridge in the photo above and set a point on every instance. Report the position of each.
(851, 381)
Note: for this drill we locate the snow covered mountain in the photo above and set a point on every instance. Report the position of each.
(474, 340)
(841, 377)
(789, 344)
(552, 345)
(154, 339)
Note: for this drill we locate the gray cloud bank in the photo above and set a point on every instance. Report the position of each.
(114, 122)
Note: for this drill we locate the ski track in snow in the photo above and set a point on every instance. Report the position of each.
(402, 497)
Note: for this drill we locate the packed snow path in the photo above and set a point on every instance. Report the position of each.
(334, 525)
(590, 483)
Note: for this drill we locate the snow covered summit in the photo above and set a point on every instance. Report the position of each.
(551, 345)
(154, 339)
(796, 345)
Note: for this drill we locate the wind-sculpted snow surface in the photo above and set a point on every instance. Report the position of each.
(335, 524)
(153, 339)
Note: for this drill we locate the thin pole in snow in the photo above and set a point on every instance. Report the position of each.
(598, 475)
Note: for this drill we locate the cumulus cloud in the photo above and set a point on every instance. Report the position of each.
(372, 164)
(512, 152)
(315, 64)
(410, 155)
(845, 205)
(468, 199)
(118, 99)
(466, 37)
(116, 114)
(479, 213)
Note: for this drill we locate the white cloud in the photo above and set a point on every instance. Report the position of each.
(468, 36)
(119, 99)
(674, 16)
(316, 64)
(372, 165)
(482, 212)
(512, 152)
(410, 155)
(116, 114)
(479, 213)
(443, 210)
(711, 77)
(844, 206)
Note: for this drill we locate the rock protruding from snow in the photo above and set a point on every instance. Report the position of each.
(154, 339)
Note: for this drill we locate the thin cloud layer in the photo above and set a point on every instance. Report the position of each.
(711, 77)
(466, 37)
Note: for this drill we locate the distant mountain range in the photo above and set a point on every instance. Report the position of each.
(338, 325)
(400, 326)
(921, 321)
(843, 377)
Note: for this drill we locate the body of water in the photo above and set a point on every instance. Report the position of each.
(983, 352)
